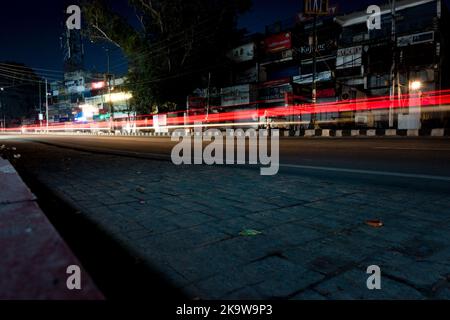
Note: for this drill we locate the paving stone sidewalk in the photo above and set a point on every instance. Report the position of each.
(315, 244)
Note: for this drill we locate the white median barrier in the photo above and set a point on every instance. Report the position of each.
(412, 133)
(390, 132)
(338, 133)
(371, 133)
(326, 133)
(355, 133)
(437, 132)
(310, 133)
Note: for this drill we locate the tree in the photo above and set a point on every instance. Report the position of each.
(177, 43)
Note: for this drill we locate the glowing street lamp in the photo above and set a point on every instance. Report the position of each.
(415, 85)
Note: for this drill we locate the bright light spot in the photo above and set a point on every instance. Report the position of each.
(118, 97)
(98, 85)
(88, 112)
(415, 85)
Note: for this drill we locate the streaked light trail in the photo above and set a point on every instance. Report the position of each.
(432, 101)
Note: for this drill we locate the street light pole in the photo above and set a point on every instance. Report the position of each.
(209, 96)
(1, 107)
(110, 103)
(314, 84)
(108, 59)
(314, 71)
(111, 111)
(394, 64)
(46, 104)
(40, 105)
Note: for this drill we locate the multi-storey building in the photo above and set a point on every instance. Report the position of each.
(407, 55)
(86, 97)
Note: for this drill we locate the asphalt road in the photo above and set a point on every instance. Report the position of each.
(395, 156)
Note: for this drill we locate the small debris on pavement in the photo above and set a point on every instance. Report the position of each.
(140, 190)
(250, 233)
(375, 223)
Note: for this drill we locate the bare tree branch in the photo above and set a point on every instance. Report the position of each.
(188, 47)
(141, 21)
(155, 14)
(105, 36)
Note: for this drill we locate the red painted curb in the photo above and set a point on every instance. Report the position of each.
(35, 258)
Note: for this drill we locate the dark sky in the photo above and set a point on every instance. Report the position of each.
(30, 30)
(265, 12)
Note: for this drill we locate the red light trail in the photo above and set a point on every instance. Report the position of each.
(425, 100)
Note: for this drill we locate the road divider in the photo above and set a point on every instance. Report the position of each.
(308, 133)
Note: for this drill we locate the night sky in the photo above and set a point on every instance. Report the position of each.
(30, 30)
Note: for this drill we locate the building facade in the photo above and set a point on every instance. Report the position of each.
(351, 62)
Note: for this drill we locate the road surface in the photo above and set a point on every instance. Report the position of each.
(313, 240)
(429, 156)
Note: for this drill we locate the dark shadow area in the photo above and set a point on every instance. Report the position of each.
(117, 273)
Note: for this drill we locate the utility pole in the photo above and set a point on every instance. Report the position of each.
(208, 103)
(111, 111)
(46, 104)
(394, 63)
(40, 105)
(3, 111)
(107, 57)
(315, 8)
(108, 79)
(314, 84)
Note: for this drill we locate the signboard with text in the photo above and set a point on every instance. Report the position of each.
(274, 90)
(417, 38)
(237, 95)
(308, 78)
(316, 7)
(278, 42)
(323, 48)
(243, 53)
(349, 57)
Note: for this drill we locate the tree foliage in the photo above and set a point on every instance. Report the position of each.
(172, 48)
